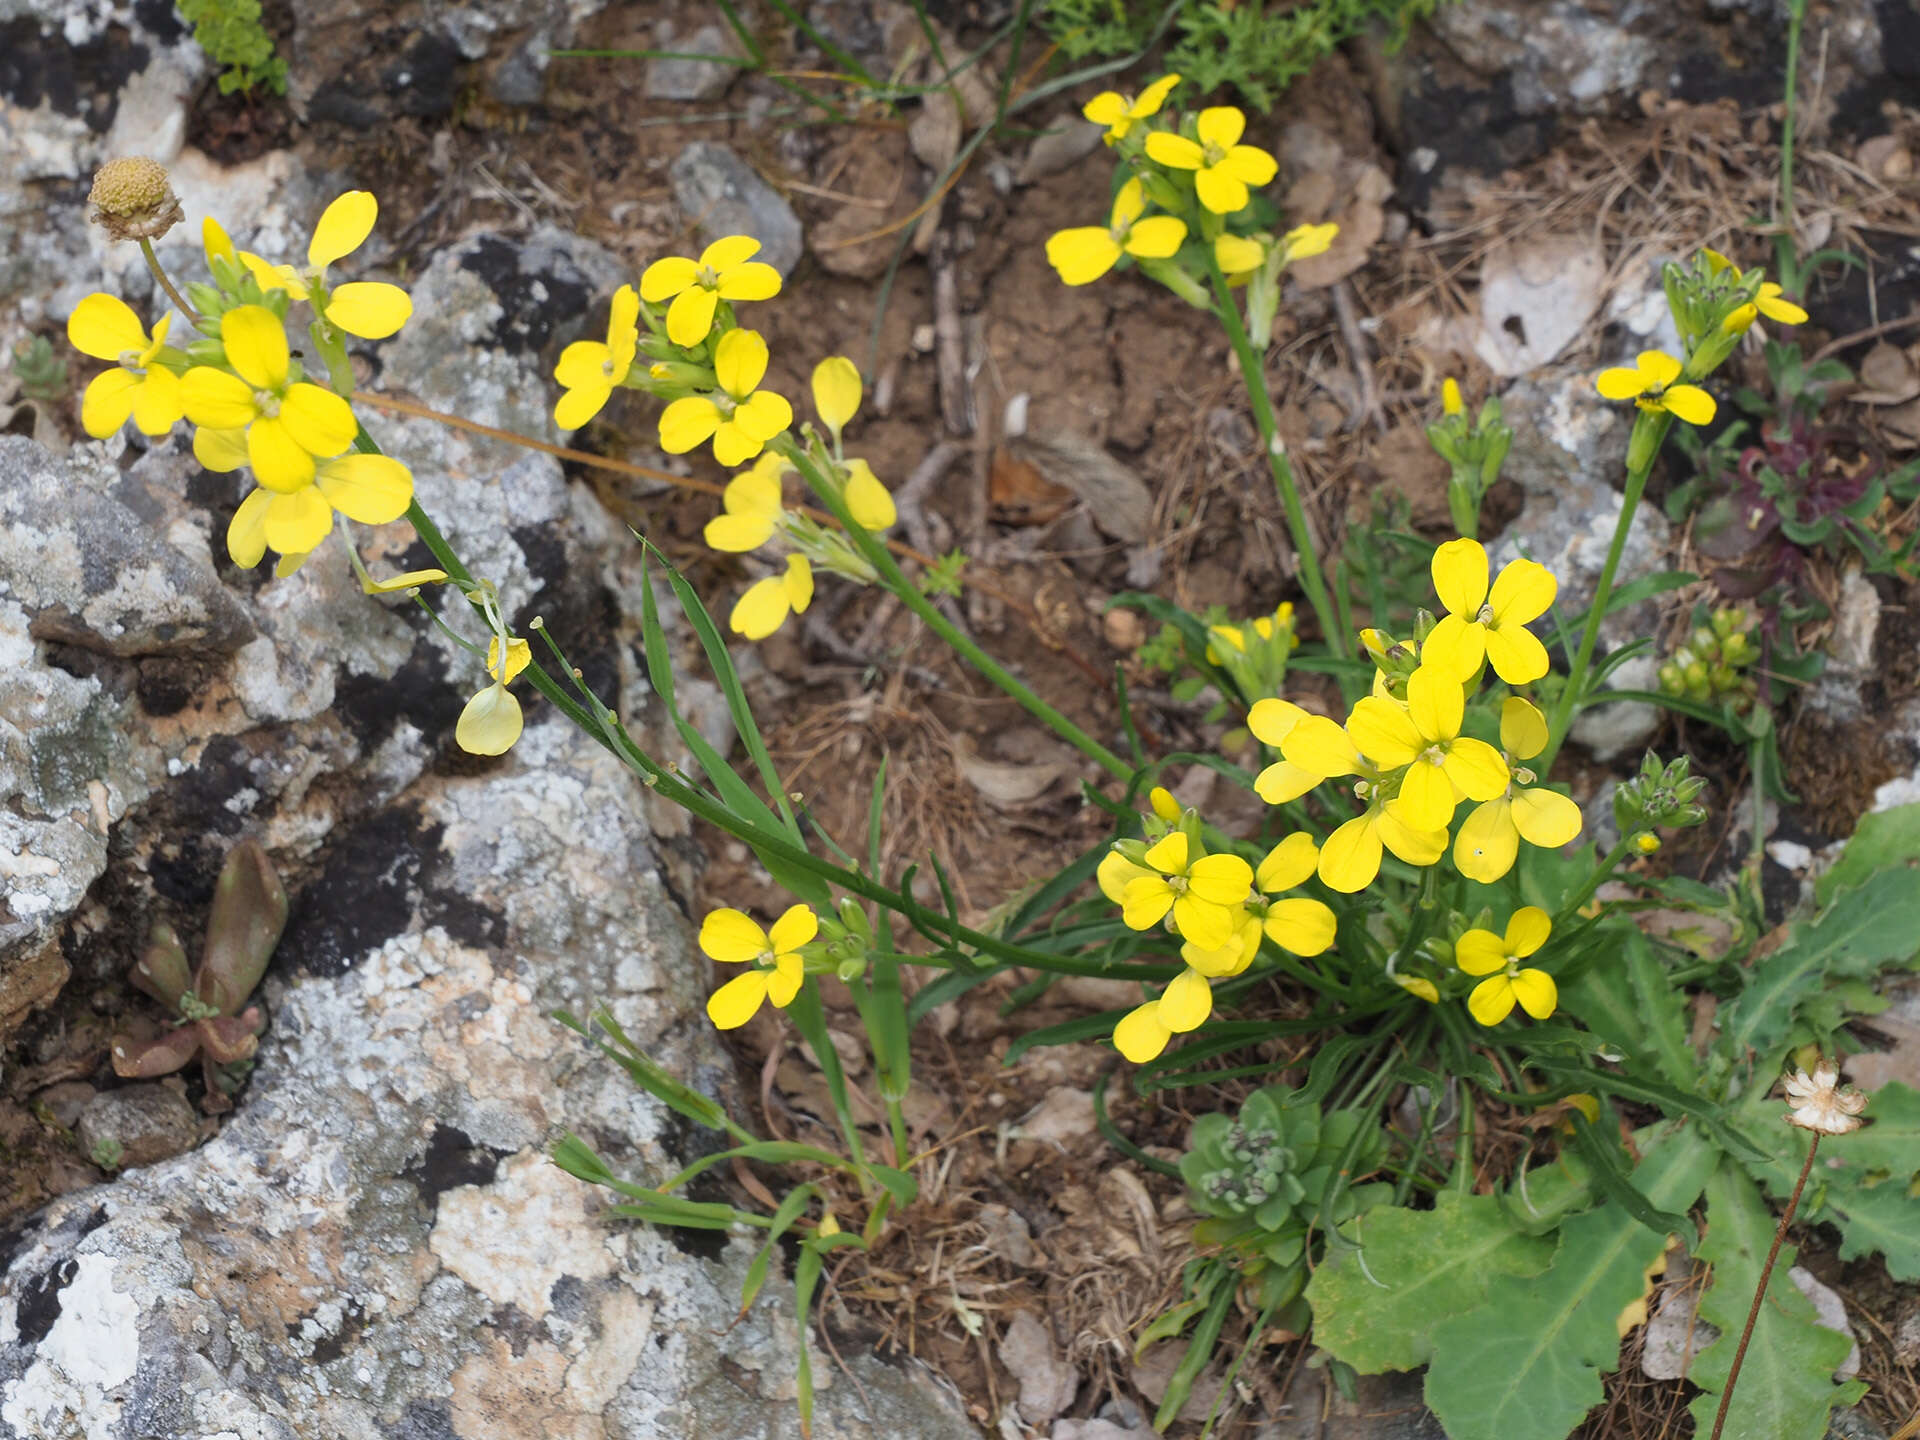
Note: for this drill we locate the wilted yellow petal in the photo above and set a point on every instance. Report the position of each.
(868, 500)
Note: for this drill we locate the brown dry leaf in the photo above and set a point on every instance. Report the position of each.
(1362, 221)
(1018, 494)
(1117, 499)
(1005, 786)
(1888, 376)
(1902, 426)
(1885, 157)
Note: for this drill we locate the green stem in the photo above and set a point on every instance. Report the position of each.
(895, 579)
(187, 312)
(897, 1124)
(1574, 690)
(1253, 374)
(1796, 16)
(1594, 881)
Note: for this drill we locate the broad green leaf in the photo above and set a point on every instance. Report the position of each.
(1377, 1306)
(1881, 841)
(1626, 999)
(1876, 926)
(1786, 1387)
(1526, 1364)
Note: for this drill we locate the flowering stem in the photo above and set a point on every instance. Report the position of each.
(1573, 692)
(1253, 376)
(153, 263)
(1760, 1291)
(1600, 872)
(895, 579)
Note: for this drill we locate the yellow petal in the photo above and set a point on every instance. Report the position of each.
(373, 489)
(789, 971)
(1082, 255)
(1546, 818)
(1288, 864)
(1460, 576)
(687, 422)
(1382, 731)
(732, 938)
(836, 391)
(1775, 306)
(690, 316)
(1206, 924)
(1270, 720)
(1491, 1000)
(1141, 1035)
(1350, 858)
(1153, 97)
(1620, 383)
(755, 280)
(281, 463)
(343, 226)
(1426, 797)
(1305, 927)
(1283, 781)
(740, 362)
(1450, 400)
(1220, 879)
(1480, 952)
(1236, 254)
(1145, 902)
(1657, 367)
(1169, 854)
(1303, 242)
(1536, 992)
(1115, 872)
(1523, 729)
(666, 278)
(623, 332)
(1488, 842)
(519, 656)
(221, 451)
(1220, 126)
(1319, 745)
(796, 927)
(729, 251)
(1435, 703)
(1106, 108)
(868, 501)
(1456, 646)
(405, 580)
(1476, 769)
(1250, 165)
(247, 531)
(1129, 204)
(273, 277)
(256, 342)
(318, 419)
(1690, 403)
(1176, 152)
(105, 327)
(578, 406)
(1186, 1002)
(584, 363)
(737, 534)
(737, 1001)
(762, 610)
(298, 522)
(371, 310)
(1419, 985)
(156, 402)
(1527, 931)
(798, 582)
(1516, 654)
(1221, 191)
(1416, 847)
(108, 402)
(1161, 801)
(761, 416)
(1523, 593)
(215, 243)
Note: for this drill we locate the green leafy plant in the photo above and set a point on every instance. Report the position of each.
(234, 39)
(41, 373)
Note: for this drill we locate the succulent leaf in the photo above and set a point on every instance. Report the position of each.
(162, 970)
(249, 912)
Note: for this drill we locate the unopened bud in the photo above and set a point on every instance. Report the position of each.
(132, 199)
(1646, 843)
(1163, 803)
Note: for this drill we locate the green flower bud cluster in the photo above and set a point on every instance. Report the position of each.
(1661, 796)
(1710, 301)
(1714, 664)
(846, 941)
(1475, 447)
(1254, 652)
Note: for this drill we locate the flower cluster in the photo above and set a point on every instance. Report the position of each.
(779, 959)
(250, 401)
(1182, 211)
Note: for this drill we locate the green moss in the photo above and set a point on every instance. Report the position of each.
(234, 39)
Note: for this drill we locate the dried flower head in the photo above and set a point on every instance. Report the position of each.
(132, 199)
(1821, 1103)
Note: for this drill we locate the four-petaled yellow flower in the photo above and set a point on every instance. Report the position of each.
(1295, 923)
(1489, 840)
(726, 270)
(287, 423)
(590, 370)
(1184, 1005)
(739, 416)
(1442, 765)
(1271, 721)
(1770, 302)
(1350, 858)
(1203, 894)
(1082, 255)
(370, 309)
(751, 505)
(105, 327)
(1650, 385)
(373, 489)
(767, 603)
(1487, 624)
(491, 720)
(1303, 242)
(1481, 952)
(778, 964)
(1223, 167)
(1120, 114)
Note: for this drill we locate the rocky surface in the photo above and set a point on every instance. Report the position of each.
(720, 193)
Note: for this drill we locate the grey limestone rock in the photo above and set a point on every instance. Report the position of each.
(692, 79)
(720, 193)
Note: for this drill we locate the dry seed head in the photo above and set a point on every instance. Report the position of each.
(132, 199)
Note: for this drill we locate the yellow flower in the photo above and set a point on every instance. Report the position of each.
(1271, 721)
(215, 243)
(1184, 1005)
(778, 966)
(491, 721)
(1442, 765)
(1120, 114)
(1450, 400)
(590, 370)
(1768, 302)
(1303, 242)
(1163, 804)
(1650, 385)
(765, 606)
(1201, 893)
(1224, 168)
(739, 416)
(288, 424)
(1490, 625)
(106, 328)
(726, 270)
(373, 489)
(836, 392)
(1647, 843)
(1300, 925)
(1489, 840)
(1481, 952)
(1238, 256)
(752, 505)
(1350, 858)
(868, 501)
(1084, 254)
(1232, 958)
(371, 310)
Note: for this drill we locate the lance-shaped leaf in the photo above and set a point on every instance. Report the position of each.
(249, 912)
(1786, 1388)
(1526, 1364)
(162, 970)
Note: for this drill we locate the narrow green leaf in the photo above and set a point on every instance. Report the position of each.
(790, 1210)
(897, 1183)
(770, 1152)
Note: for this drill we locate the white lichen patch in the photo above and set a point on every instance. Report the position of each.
(514, 1239)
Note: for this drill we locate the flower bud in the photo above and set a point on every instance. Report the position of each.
(132, 199)
(1163, 803)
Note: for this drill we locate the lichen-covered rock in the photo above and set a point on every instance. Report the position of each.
(720, 193)
(376, 1245)
(137, 1125)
